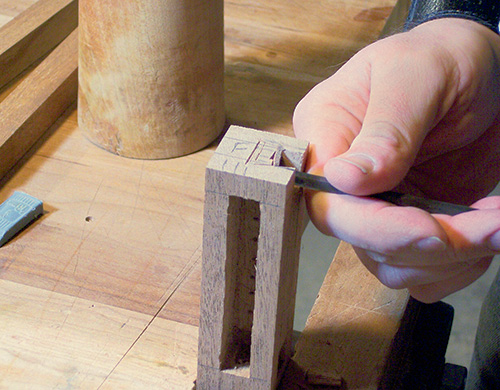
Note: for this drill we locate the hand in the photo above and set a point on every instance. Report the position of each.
(419, 112)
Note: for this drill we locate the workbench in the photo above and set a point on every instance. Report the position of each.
(103, 290)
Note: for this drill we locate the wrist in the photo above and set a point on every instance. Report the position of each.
(485, 12)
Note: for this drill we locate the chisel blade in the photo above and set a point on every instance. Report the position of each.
(319, 183)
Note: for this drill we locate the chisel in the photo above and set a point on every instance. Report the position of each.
(319, 183)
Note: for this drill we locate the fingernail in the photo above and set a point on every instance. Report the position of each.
(430, 244)
(494, 241)
(363, 162)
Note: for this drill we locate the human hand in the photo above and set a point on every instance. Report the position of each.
(420, 112)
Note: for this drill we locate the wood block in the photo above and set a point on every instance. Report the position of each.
(28, 111)
(349, 334)
(251, 242)
(33, 34)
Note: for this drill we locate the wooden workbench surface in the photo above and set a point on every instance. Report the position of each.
(103, 290)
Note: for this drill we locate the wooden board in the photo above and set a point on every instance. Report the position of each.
(34, 33)
(126, 234)
(349, 332)
(37, 102)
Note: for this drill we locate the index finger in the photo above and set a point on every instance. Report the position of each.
(406, 235)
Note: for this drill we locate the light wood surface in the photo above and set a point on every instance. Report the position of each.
(33, 34)
(103, 290)
(151, 75)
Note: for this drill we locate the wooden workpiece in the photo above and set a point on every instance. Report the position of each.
(103, 290)
(254, 219)
(32, 34)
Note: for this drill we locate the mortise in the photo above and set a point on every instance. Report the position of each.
(243, 225)
(285, 161)
(273, 154)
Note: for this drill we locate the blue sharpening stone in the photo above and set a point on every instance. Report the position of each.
(16, 213)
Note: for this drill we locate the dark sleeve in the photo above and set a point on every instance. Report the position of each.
(486, 12)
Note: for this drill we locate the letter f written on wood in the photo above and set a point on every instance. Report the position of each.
(253, 223)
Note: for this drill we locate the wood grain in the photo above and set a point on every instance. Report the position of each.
(76, 343)
(151, 76)
(163, 358)
(66, 341)
(33, 34)
(10, 9)
(36, 103)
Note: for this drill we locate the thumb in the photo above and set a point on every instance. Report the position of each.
(378, 160)
(404, 103)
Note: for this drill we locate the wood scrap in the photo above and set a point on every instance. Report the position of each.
(33, 34)
(41, 98)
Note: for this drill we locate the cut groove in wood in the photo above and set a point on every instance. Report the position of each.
(243, 231)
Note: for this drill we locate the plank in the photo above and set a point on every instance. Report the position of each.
(349, 332)
(14, 8)
(36, 103)
(9, 9)
(276, 52)
(76, 343)
(251, 242)
(33, 33)
(184, 305)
